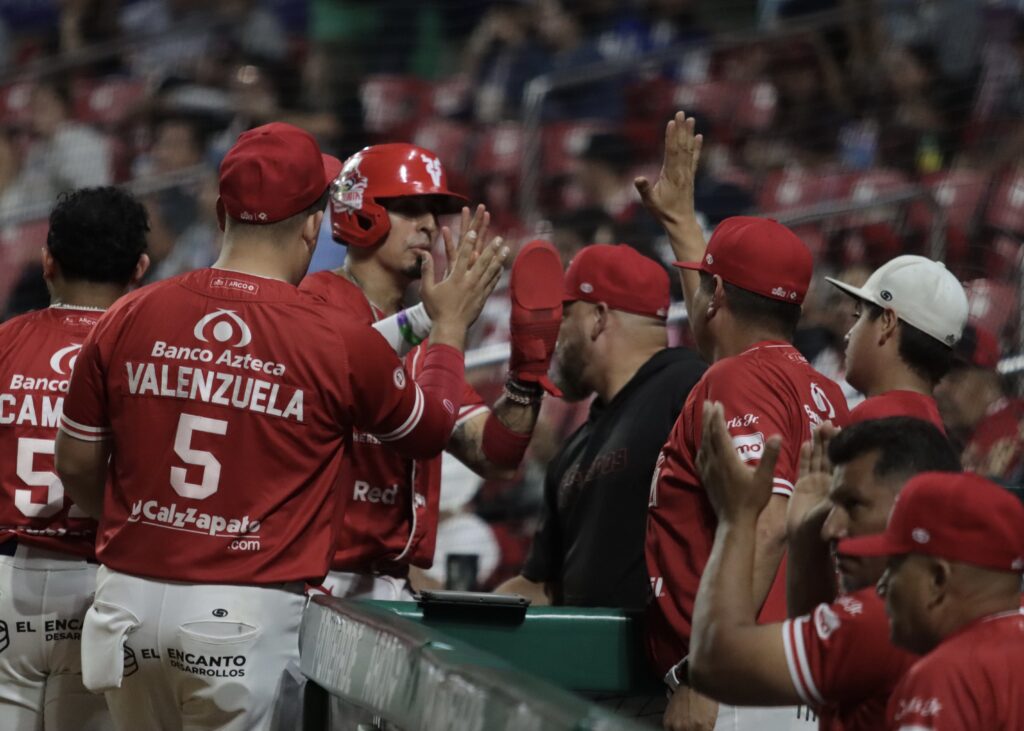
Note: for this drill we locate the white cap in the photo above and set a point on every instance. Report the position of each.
(921, 292)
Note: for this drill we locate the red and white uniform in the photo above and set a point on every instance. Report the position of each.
(974, 680)
(37, 353)
(768, 389)
(229, 399)
(842, 662)
(898, 403)
(391, 518)
(46, 584)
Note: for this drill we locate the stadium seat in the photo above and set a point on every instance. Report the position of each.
(710, 99)
(450, 96)
(107, 102)
(754, 106)
(789, 189)
(1006, 206)
(14, 104)
(499, 151)
(392, 105)
(959, 193)
(562, 142)
(993, 305)
(448, 140)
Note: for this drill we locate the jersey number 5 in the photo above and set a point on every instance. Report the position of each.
(28, 449)
(187, 425)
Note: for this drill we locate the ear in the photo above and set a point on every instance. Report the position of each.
(50, 267)
(939, 573)
(141, 267)
(888, 325)
(600, 320)
(717, 300)
(311, 229)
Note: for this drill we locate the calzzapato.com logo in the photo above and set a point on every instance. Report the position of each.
(225, 327)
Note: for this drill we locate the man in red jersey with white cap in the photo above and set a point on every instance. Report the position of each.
(743, 293)
(95, 250)
(384, 207)
(955, 551)
(836, 659)
(909, 315)
(222, 399)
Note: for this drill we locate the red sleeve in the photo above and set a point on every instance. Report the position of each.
(473, 403)
(415, 417)
(841, 652)
(752, 415)
(84, 415)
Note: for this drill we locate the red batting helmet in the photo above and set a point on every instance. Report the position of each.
(377, 173)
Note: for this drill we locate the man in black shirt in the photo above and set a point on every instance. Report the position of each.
(589, 547)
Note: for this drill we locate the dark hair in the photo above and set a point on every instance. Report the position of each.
(926, 356)
(98, 234)
(905, 446)
(780, 317)
(611, 149)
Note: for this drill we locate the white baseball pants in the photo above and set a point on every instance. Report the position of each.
(188, 657)
(43, 599)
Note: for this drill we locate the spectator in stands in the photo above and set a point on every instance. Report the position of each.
(910, 313)
(180, 33)
(834, 654)
(12, 192)
(604, 174)
(573, 230)
(65, 154)
(980, 413)
(589, 547)
(501, 56)
(569, 49)
(955, 552)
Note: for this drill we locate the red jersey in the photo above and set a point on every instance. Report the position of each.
(898, 403)
(973, 681)
(228, 398)
(393, 508)
(37, 352)
(768, 389)
(842, 662)
(996, 448)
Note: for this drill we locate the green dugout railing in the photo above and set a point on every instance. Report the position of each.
(472, 671)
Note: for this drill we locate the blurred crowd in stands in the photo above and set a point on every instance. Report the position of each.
(806, 105)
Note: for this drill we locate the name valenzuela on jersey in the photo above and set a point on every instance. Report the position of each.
(195, 383)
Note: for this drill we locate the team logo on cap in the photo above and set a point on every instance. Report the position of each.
(709, 260)
(920, 535)
(433, 169)
(951, 340)
(227, 326)
(780, 292)
(586, 288)
(1018, 564)
(886, 295)
(348, 189)
(64, 359)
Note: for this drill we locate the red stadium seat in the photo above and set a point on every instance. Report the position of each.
(993, 305)
(789, 189)
(499, 151)
(1006, 207)
(450, 95)
(710, 99)
(755, 106)
(14, 104)
(562, 143)
(959, 193)
(107, 102)
(392, 105)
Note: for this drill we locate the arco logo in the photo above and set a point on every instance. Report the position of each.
(224, 326)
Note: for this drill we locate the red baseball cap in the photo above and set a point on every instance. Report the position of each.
(953, 515)
(759, 255)
(621, 277)
(272, 173)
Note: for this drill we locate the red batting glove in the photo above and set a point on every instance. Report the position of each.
(536, 288)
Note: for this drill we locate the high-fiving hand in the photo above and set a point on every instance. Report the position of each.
(670, 198)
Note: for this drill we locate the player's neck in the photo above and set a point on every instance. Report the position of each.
(897, 377)
(739, 338)
(379, 286)
(87, 295)
(249, 259)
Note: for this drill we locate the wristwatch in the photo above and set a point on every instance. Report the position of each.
(678, 674)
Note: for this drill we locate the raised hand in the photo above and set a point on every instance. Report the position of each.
(811, 489)
(670, 198)
(472, 232)
(733, 488)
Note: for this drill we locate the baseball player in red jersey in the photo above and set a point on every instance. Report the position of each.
(955, 553)
(743, 294)
(223, 398)
(836, 658)
(95, 250)
(384, 207)
(909, 315)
